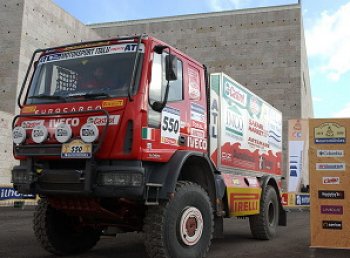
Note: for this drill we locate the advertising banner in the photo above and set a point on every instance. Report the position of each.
(329, 156)
(8, 195)
(249, 129)
(298, 172)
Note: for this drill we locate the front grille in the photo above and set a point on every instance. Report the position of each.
(61, 187)
(38, 150)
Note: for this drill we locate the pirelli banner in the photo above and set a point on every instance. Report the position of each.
(329, 166)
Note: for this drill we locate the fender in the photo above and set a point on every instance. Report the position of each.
(168, 173)
(270, 180)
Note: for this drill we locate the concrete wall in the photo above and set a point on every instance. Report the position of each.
(262, 48)
(26, 25)
(47, 25)
(6, 159)
(11, 16)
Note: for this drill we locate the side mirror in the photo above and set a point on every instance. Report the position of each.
(171, 68)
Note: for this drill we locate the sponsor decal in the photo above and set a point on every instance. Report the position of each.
(28, 109)
(8, 193)
(67, 110)
(257, 143)
(153, 156)
(73, 121)
(170, 126)
(197, 113)
(332, 209)
(332, 224)
(330, 133)
(330, 180)
(197, 143)
(330, 153)
(234, 93)
(236, 181)
(193, 84)
(330, 166)
(242, 203)
(285, 197)
(197, 125)
(234, 124)
(302, 199)
(257, 128)
(255, 105)
(214, 119)
(113, 103)
(197, 133)
(323, 194)
(148, 134)
(226, 156)
(102, 120)
(31, 124)
(94, 51)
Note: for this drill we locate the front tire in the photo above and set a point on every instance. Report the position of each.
(61, 234)
(264, 225)
(182, 227)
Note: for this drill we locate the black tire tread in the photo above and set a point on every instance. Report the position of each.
(47, 238)
(154, 224)
(258, 223)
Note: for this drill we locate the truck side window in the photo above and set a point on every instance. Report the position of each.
(158, 85)
(175, 89)
(158, 81)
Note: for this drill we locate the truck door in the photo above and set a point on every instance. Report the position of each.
(182, 123)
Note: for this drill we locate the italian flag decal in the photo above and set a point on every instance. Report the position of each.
(148, 133)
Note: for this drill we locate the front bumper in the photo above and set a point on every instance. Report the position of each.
(119, 179)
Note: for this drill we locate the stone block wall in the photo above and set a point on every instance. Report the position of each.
(262, 48)
(6, 158)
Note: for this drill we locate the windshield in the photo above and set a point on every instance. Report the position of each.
(99, 72)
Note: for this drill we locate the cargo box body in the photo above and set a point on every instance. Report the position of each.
(245, 130)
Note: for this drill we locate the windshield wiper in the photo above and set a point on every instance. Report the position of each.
(44, 96)
(88, 95)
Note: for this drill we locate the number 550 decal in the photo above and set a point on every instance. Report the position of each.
(170, 125)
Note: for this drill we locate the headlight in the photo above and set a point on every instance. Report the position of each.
(63, 133)
(18, 135)
(89, 132)
(39, 133)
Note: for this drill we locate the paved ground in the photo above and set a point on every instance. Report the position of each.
(17, 240)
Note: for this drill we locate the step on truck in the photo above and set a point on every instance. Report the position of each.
(130, 134)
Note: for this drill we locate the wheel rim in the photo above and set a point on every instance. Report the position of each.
(271, 213)
(191, 226)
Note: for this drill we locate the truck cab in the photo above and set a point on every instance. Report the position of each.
(115, 134)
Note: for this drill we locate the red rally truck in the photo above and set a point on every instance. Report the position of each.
(155, 145)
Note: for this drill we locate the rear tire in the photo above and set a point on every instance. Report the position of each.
(61, 234)
(182, 227)
(264, 225)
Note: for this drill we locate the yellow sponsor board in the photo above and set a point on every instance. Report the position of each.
(28, 109)
(113, 103)
(244, 201)
(330, 133)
